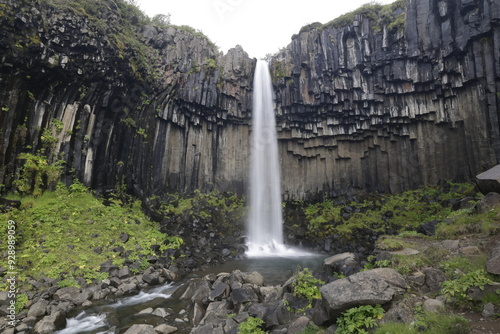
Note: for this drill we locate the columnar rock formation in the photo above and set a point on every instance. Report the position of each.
(386, 110)
(366, 104)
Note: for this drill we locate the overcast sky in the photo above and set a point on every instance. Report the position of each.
(259, 26)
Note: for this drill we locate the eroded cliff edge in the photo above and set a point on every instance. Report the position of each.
(364, 103)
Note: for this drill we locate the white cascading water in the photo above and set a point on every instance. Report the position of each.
(265, 221)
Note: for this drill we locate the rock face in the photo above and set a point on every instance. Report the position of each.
(366, 104)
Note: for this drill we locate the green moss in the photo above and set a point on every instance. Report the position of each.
(57, 233)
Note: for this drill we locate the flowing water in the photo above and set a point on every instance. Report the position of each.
(265, 221)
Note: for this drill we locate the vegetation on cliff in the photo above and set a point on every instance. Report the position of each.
(118, 26)
(391, 16)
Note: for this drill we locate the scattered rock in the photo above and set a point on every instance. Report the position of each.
(489, 181)
(433, 279)
(493, 263)
(433, 305)
(488, 202)
(50, 323)
(141, 329)
(371, 287)
(165, 329)
(469, 250)
(298, 325)
(488, 310)
(428, 228)
(38, 309)
(344, 263)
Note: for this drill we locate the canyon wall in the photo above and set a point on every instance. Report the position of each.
(365, 104)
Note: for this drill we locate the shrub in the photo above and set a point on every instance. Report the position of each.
(306, 286)
(251, 326)
(357, 320)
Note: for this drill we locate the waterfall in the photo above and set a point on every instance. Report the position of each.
(265, 221)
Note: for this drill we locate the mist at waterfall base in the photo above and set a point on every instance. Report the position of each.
(265, 219)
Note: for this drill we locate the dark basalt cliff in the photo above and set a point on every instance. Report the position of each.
(366, 104)
(387, 110)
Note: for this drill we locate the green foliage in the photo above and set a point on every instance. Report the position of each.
(358, 320)
(306, 286)
(67, 282)
(428, 323)
(21, 301)
(37, 174)
(382, 213)
(251, 326)
(47, 224)
(458, 288)
(311, 328)
(466, 222)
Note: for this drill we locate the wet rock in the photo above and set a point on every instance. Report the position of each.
(371, 287)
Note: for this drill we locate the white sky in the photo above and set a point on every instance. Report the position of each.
(259, 26)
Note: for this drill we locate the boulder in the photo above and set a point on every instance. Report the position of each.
(493, 263)
(253, 278)
(488, 310)
(489, 181)
(298, 326)
(433, 305)
(165, 329)
(50, 323)
(141, 329)
(428, 228)
(488, 202)
(243, 295)
(38, 309)
(371, 287)
(344, 263)
(68, 293)
(433, 279)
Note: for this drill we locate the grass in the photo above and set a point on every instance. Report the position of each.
(429, 323)
(67, 234)
(383, 214)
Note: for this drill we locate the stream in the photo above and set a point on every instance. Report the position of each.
(115, 316)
